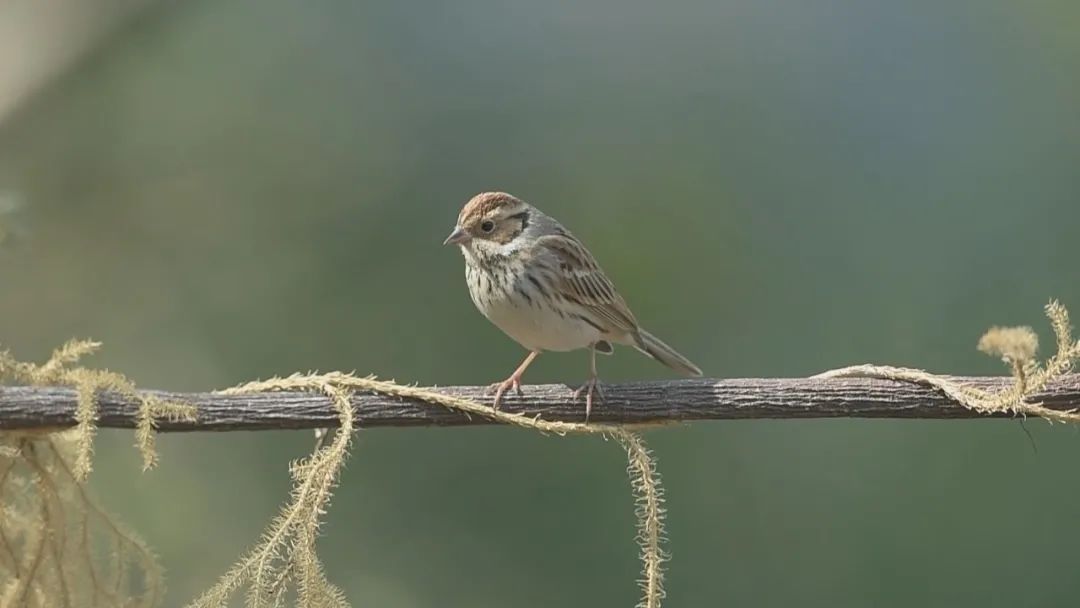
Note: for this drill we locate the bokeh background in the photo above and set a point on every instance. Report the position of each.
(227, 190)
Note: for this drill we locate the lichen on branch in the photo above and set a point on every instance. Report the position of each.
(1016, 347)
(60, 370)
(285, 559)
(57, 546)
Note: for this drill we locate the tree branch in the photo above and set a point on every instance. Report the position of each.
(24, 407)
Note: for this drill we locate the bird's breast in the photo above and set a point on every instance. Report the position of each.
(518, 306)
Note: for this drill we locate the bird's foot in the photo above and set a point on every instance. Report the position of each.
(591, 387)
(500, 388)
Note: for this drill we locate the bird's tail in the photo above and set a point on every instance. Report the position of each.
(655, 348)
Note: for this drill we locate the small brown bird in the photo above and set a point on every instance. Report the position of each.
(541, 286)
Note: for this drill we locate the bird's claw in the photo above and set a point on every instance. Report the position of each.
(500, 388)
(591, 387)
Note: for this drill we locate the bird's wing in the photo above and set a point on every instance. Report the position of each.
(581, 281)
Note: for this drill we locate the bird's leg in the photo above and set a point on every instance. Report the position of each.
(513, 382)
(591, 386)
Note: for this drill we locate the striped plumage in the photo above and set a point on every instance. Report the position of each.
(539, 284)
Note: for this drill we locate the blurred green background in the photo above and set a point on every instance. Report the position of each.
(227, 190)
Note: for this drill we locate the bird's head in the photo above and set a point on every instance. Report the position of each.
(490, 220)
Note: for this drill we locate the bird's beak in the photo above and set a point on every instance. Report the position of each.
(457, 237)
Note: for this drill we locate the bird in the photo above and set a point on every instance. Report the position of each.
(542, 287)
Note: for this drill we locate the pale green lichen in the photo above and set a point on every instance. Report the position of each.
(1016, 347)
(285, 560)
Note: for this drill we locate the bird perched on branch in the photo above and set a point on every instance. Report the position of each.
(541, 286)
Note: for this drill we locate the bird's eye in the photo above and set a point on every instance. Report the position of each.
(487, 226)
